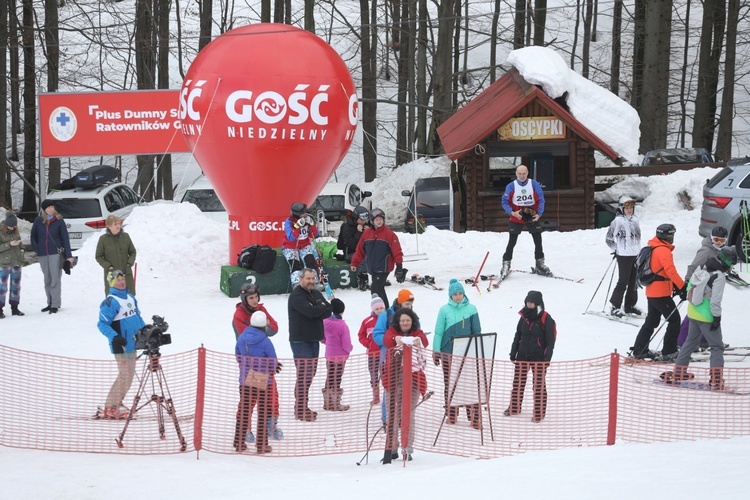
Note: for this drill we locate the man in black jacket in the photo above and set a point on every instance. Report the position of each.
(307, 310)
(351, 232)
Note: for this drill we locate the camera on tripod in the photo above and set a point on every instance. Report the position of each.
(151, 337)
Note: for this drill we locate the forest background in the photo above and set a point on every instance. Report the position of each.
(682, 64)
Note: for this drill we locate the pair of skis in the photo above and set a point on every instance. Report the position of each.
(425, 281)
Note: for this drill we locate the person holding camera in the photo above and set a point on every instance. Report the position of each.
(380, 250)
(120, 320)
(11, 264)
(523, 200)
(299, 232)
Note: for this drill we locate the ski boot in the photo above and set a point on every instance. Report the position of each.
(505, 271)
(541, 269)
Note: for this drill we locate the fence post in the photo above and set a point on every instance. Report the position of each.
(200, 395)
(406, 389)
(614, 377)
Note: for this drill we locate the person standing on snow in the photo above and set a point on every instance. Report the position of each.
(249, 304)
(338, 342)
(365, 336)
(532, 349)
(708, 250)
(659, 293)
(457, 317)
(349, 236)
(120, 320)
(254, 351)
(523, 200)
(299, 232)
(380, 249)
(115, 250)
(624, 239)
(11, 264)
(705, 292)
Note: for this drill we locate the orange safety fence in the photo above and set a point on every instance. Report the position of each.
(48, 403)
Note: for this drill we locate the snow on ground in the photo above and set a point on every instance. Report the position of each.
(179, 259)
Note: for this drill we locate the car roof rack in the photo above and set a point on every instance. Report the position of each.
(90, 178)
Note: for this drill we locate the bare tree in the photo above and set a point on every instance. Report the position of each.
(52, 44)
(712, 41)
(724, 135)
(493, 41)
(519, 25)
(205, 11)
(540, 21)
(145, 62)
(442, 79)
(614, 66)
(655, 92)
(683, 95)
(29, 108)
(15, 79)
(368, 41)
(639, 35)
(5, 200)
(587, 19)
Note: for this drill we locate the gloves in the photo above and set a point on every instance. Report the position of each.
(675, 290)
(715, 323)
(683, 292)
(309, 220)
(119, 341)
(400, 273)
(513, 357)
(436, 358)
(300, 222)
(279, 366)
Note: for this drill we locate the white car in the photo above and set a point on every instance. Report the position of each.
(201, 194)
(86, 200)
(337, 201)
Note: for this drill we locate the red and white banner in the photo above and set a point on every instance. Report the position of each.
(110, 123)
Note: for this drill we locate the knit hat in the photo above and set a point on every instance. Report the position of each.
(376, 302)
(258, 319)
(47, 203)
(405, 296)
(455, 287)
(535, 297)
(11, 221)
(338, 306)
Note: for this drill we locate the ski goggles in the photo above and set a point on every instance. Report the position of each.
(250, 289)
(628, 204)
(718, 241)
(116, 273)
(364, 216)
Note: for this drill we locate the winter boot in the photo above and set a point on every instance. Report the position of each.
(505, 271)
(336, 400)
(375, 395)
(2, 315)
(328, 399)
(363, 281)
(716, 382)
(616, 312)
(14, 311)
(273, 430)
(541, 269)
(264, 449)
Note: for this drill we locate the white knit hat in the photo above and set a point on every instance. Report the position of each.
(258, 319)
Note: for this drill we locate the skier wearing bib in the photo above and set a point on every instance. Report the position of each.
(523, 200)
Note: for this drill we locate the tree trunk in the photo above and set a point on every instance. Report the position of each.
(29, 108)
(310, 16)
(15, 79)
(587, 18)
(712, 40)
(614, 67)
(519, 25)
(684, 97)
(205, 9)
(423, 96)
(5, 199)
(724, 136)
(574, 45)
(493, 41)
(540, 21)
(639, 35)
(265, 11)
(164, 187)
(145, 64)
(654, 102)
(441, 77)
(52, 44)
(278, 11)
(369, 91)
(403, 148)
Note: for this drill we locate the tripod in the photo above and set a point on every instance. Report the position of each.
(163, 399)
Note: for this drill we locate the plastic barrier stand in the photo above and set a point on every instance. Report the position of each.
(277, 281)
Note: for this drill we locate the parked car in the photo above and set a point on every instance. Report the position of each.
(337, 200)
(432, 199)
(722, 196)
(677, 156)
(201, 194)
(86, 200)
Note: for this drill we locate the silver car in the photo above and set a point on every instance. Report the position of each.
(723, 197)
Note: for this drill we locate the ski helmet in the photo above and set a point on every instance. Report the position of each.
(719, 236)
(376, 212)
(298, 209)
(248, 288)
(665, 232)
(727, 257)
(361, 213)
(626, 201)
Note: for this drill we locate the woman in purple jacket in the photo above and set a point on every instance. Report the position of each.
(49, 238)
(338, 344)
(254, 351)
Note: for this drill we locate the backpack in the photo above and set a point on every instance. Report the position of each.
(265, 260)
(644, 276)
(247, 256)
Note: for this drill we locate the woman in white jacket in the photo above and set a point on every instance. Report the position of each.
(624, 239)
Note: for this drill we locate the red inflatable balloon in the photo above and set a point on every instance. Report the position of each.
(269, 111)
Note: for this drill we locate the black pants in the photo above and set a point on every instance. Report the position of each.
(377, 286)
(659, 307)
(514, 229)
(625, 281)
(539, 375)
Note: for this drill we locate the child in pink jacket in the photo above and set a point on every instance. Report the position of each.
(338, 344)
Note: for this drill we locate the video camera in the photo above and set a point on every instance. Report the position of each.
(151, 337)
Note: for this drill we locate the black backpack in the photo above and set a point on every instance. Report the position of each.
(247, 256)
(644, 276)
(265, 259)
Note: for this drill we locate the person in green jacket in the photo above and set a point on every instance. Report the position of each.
(115, 250)
(456, 318)
(11, 264)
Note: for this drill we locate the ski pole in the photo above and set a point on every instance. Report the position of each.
(600, 283)
(476, 278)
(609, 287)
(666, 320)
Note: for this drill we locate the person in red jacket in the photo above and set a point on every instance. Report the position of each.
(250, 303)
(373, 349)
(380, 249)
(659, 295)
